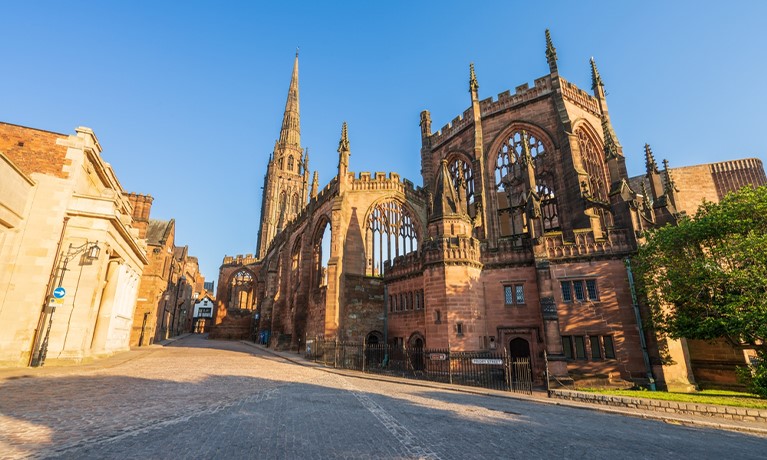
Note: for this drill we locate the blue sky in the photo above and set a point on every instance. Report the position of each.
(187, 97)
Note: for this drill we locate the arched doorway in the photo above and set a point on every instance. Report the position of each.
(415, 351)
(519, 348)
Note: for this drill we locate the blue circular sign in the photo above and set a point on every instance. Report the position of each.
(59, 293)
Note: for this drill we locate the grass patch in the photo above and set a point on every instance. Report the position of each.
(719, 397)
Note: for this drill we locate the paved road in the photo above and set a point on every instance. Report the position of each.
(207, 399)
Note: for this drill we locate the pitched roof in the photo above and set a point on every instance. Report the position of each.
(159, 231)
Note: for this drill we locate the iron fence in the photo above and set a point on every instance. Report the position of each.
(487, 369)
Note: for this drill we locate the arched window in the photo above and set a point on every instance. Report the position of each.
(296, 204)
(598, 184)
(391, 232)
(279, 162)
(295, 263)
(241, 291)
(462, 177)
(593, 163)
(510, 189)
(321, 254)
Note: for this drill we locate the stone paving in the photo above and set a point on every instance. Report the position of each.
(198, 398)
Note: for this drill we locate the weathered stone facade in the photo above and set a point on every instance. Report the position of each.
(519, 239)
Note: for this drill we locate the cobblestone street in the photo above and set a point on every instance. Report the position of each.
(197, 398)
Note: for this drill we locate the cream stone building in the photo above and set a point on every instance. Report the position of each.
(64, 223)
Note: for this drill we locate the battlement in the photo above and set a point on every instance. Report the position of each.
(585, 245)
(239, 259)
(456, 250)
(379, 181)
(579, 97)
(522, 94)
(410, 264)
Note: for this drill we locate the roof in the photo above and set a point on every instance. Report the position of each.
(158, 231)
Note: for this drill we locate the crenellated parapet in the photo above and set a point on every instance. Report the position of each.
(239, 259)
(452, 250)
(406, 266)
(618, 242)
(506, 100)
(580, 97)
(379, 181)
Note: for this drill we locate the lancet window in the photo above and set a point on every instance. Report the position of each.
(391, 232)
(462, 177)
(290, 162)
(241, 291)
(321, 255)
(594, 165)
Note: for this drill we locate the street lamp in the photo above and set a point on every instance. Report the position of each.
(90, 253)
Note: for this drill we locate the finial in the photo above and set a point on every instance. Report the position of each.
(551, 52)
(473, 85)
(611, 147)
(297, 51)
(670, 185)
(343, 144)
(650, 164)
(596, 79)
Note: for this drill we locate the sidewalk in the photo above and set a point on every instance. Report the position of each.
(538, 396)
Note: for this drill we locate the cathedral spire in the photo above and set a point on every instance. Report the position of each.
(343, 158)
(551, 53)
(290, 133)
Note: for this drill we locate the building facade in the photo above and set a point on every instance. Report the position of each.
(70, 257)
(519, 239)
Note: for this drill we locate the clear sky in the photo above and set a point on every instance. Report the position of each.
(186, 98)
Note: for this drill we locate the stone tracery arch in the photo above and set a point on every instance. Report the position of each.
(392, 230)
(241, 290)
(462, 177)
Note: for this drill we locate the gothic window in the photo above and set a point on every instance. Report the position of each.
(321, 254)
(510, 193)
(296, 204)
(462, 177)
(290, 162)
(279, 162)
(295, 262)
(241, 291)
(594, 165)
(598, 183)
(391, 232)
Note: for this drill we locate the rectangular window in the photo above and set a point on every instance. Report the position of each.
(596, 350)
(591, 289)
(567, 294)
(580, 347)
(508, 295)
(567, 346)
(393, 300)
(609, 347)
(520, 292)
(459, 328)
(578, 290)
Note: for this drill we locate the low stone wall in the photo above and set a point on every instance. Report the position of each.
(673, 407)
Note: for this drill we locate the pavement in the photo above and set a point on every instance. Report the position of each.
(538, 396)
(198, 398)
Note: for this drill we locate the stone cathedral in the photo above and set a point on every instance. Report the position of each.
(518, 238)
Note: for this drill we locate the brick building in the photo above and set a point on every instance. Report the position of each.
(519, 239)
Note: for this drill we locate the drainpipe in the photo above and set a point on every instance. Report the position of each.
(642, 340)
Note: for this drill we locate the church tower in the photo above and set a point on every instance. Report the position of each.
(286, 181)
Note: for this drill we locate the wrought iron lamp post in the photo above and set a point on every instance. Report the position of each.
(90, 253)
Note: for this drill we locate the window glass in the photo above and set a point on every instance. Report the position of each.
(578, 289)
(609, 347)
(567, 346)
(596, 351)
(508, 295)
(591, 288)
(567, 294)
(580, 347)
(520, 294)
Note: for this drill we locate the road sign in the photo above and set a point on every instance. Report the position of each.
(59, 293)
(486, 361)
(437, 356)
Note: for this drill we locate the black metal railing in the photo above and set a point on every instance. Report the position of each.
(488, 369)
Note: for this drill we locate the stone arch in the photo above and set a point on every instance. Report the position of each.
(241, 284)
(507, 194)
(392, 229)
(320, 250)
(460, 161)
(596, 186)
(374, 338)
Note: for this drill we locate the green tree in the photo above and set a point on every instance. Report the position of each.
(706, 278)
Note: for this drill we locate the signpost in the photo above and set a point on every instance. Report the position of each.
(59, 293)
(486, 361)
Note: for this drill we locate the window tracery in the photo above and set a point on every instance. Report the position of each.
(241, 291)
(391, 232)
(462, 177)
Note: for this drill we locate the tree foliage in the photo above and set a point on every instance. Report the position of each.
(706, 278)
